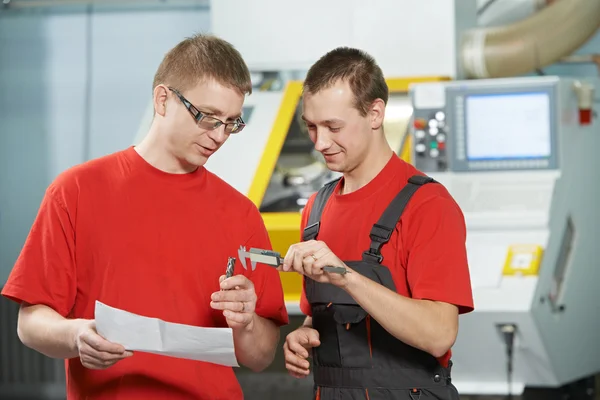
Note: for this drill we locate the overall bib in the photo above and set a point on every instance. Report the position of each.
(358, 358)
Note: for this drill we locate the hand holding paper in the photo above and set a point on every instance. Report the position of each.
(152, 335)
(95, 352)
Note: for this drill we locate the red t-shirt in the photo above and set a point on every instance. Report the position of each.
(117, 230)
(426, 254)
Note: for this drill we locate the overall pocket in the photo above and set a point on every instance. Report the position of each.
(353, 330)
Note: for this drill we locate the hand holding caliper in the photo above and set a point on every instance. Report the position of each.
(274, 259)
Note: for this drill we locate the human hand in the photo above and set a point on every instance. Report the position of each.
(238, 304)
(296, 350)
(95, 352)
(309, 258)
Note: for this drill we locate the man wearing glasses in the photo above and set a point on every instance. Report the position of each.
(149, 230)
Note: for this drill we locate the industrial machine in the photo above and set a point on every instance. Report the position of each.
(289, 171)
(272, 160)
(520, 157)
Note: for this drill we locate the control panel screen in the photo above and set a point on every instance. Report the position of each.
(508, 126)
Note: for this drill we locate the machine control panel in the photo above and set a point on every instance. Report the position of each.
(474, 126)
(430, 140)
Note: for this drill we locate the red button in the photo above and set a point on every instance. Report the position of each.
(441, 146)
(420, 123)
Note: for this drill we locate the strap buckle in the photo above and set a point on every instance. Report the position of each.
(380, 233)
(311, 231)
(373, 255)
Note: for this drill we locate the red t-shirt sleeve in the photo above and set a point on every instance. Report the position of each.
(437, 267)
(45, 270)
(270, 302)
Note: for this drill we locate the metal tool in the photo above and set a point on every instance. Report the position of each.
(230, 267)
(273, 259)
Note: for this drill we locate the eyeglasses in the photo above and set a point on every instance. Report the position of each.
(208, 122)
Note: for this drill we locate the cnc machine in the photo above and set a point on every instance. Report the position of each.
(520, 158)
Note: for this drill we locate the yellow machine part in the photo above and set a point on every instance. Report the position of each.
(284, 228)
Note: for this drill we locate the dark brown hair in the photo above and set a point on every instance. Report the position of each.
(202, 57)
(357, 67)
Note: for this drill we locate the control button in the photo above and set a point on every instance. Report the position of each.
(433, 131)
(440, 116)
(434, 153)
(420, 134)
(442, 146)
(441, 124)
(441, 138)
(433, 145)
(420, 148)
(433, 123)
(420, 123)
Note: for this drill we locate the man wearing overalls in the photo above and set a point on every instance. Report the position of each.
(384, 329)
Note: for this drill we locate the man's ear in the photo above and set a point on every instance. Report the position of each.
(377, 114)
(160, 97)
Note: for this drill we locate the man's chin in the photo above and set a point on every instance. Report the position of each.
(197, 160)
(334, 166)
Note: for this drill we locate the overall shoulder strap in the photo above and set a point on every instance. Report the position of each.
(382, 230)
(314, 220)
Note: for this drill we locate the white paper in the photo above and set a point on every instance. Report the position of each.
(152, 335)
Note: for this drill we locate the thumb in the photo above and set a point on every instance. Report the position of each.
(313, 338)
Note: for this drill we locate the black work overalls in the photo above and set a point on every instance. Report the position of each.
(357, 358)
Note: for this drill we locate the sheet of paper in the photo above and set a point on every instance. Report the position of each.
(152, 335)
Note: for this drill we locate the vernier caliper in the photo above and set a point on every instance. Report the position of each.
(273, 259)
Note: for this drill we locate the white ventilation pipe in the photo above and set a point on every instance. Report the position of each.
(502, 12)
(524, 46)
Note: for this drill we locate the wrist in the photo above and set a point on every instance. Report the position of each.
(352, 282)
(73, 330)
(248, 328)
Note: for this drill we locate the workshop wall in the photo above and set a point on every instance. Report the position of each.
(75, 85)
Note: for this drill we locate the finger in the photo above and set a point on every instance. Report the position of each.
(288, 260)
(297, 371)
(92, 363)
(222, 278)
(310, 255)
(300, 250)
(247, 296)
(298, 376)
(298, 262)
(234, 306)
(101, 356)
(100, 344)
(298, 349)
(309, 267)
(313, 338)
(237, 280)
(238, 318)
(324, 256)
(291, 357)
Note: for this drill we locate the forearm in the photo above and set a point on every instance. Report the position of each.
(422, 324)
(44, 330)
(256, 343)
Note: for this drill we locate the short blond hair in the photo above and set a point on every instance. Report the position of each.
(201, 57)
